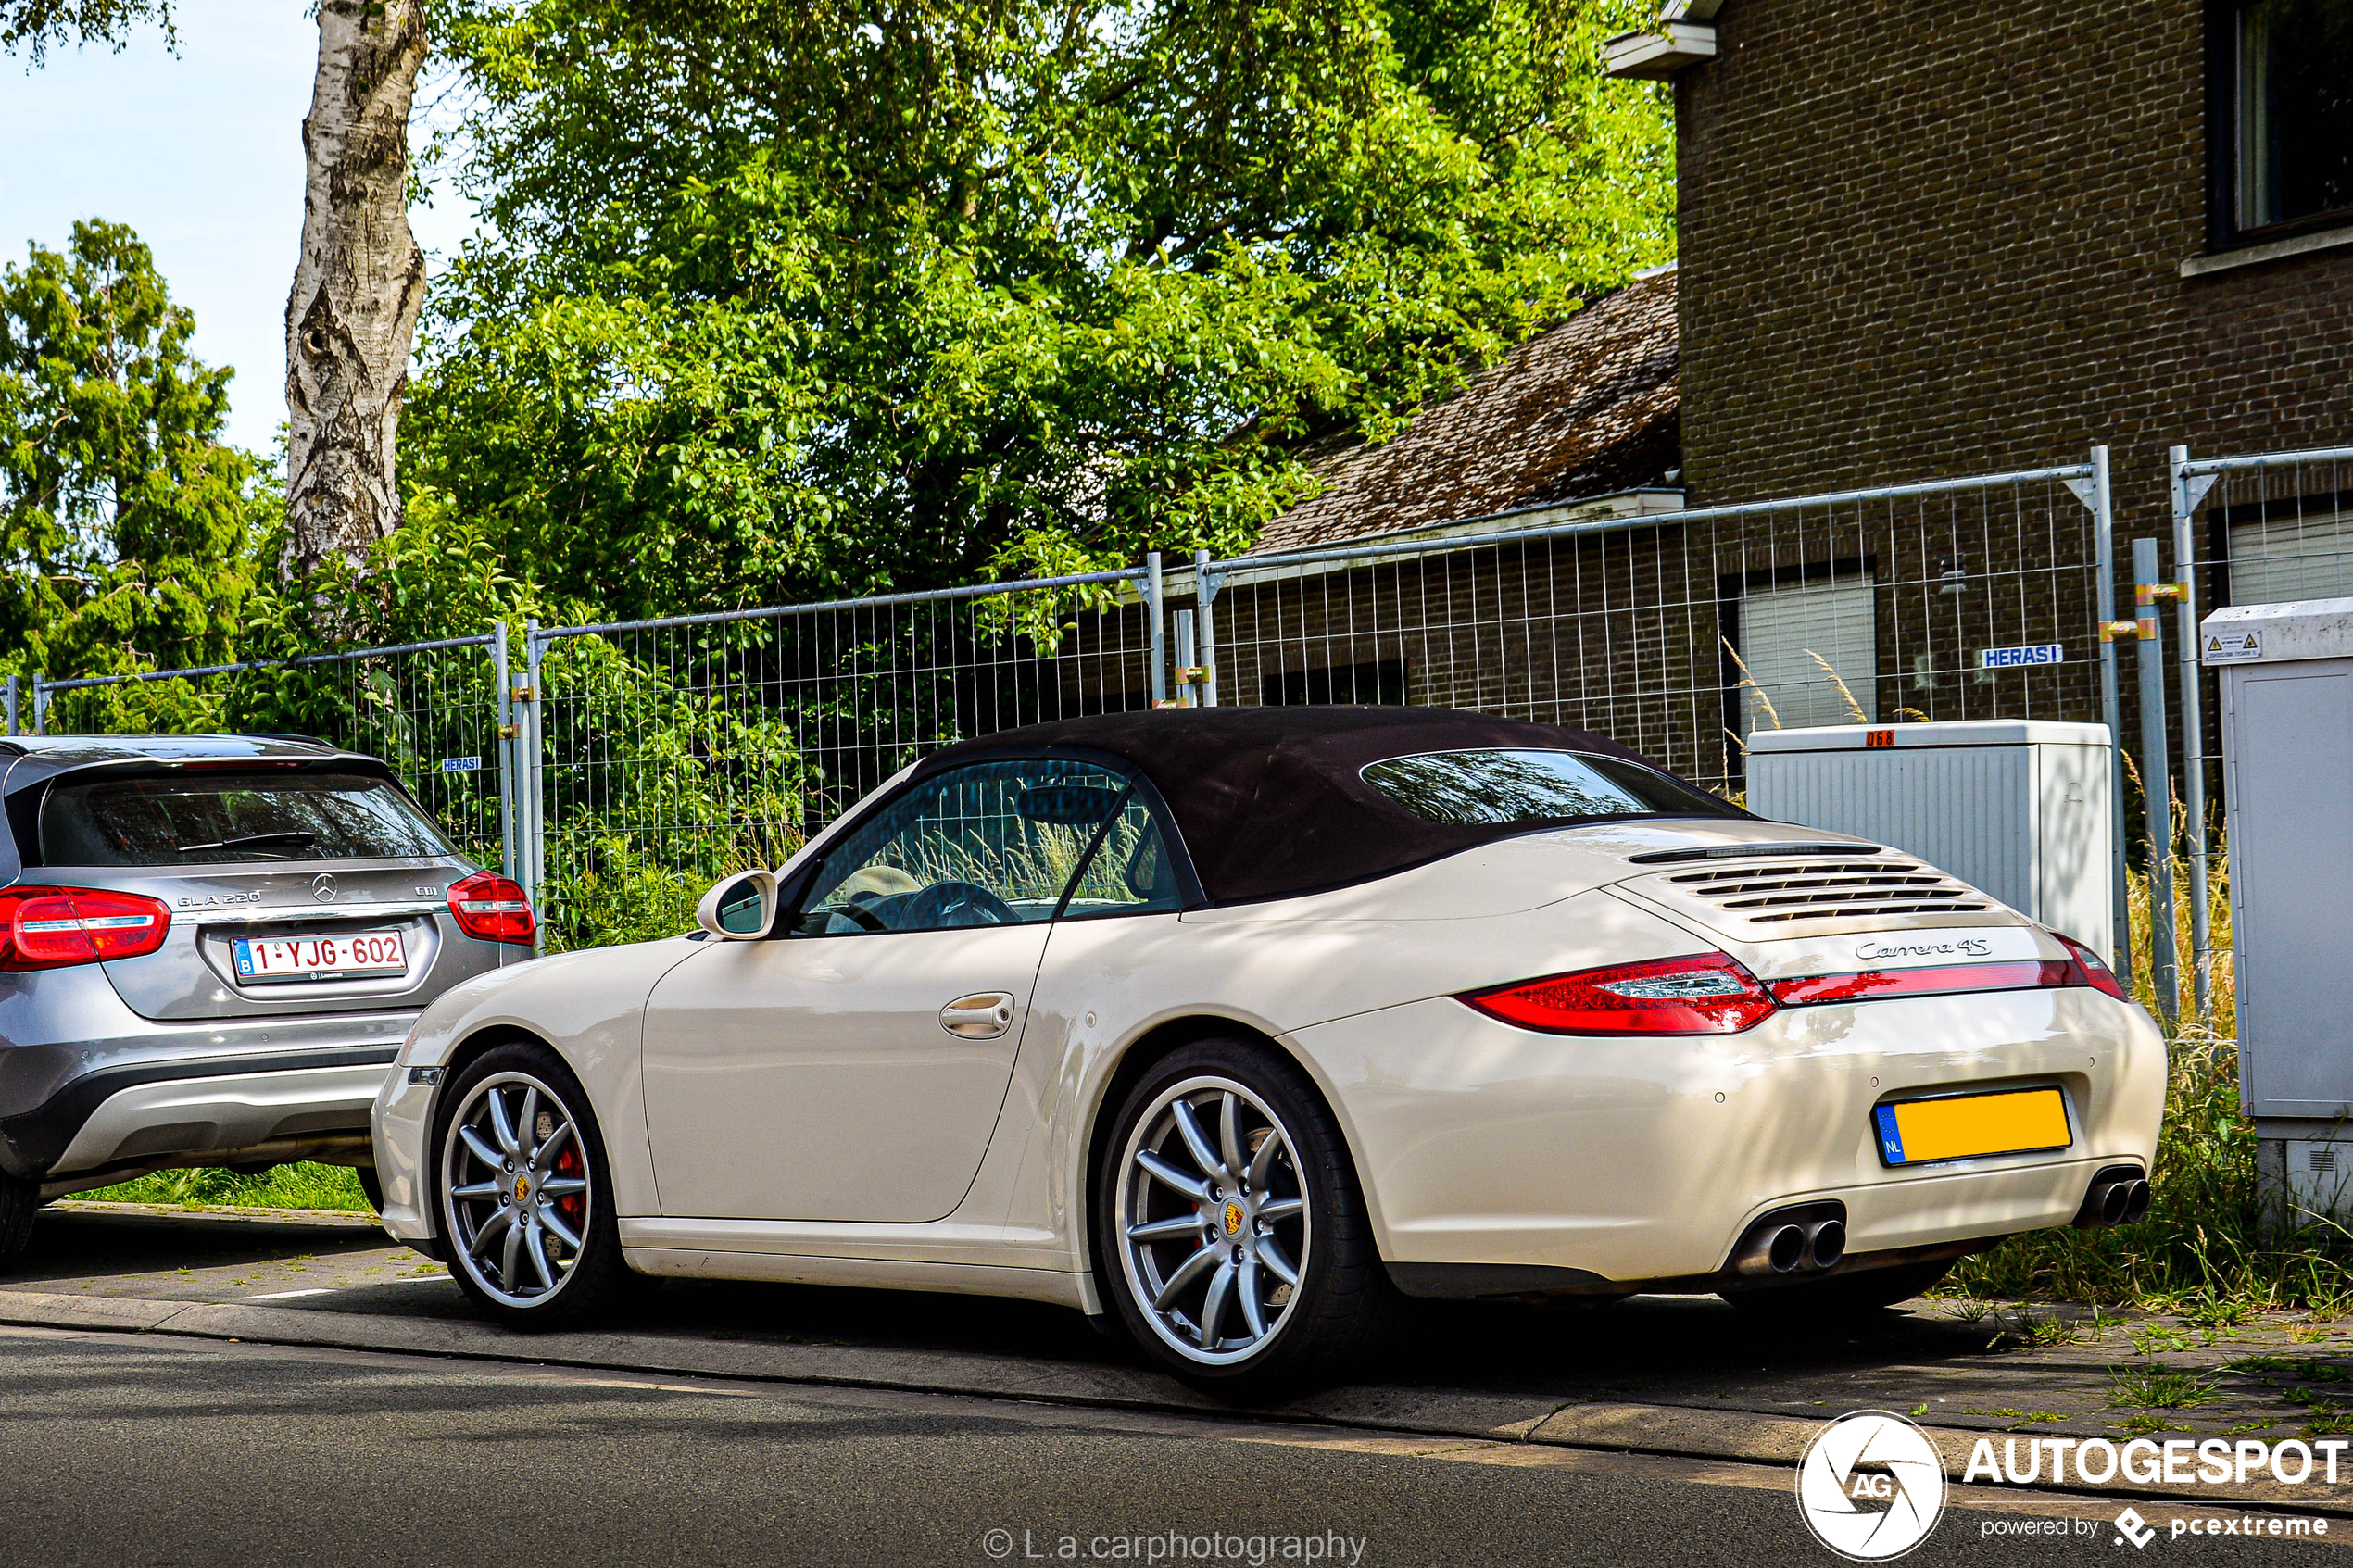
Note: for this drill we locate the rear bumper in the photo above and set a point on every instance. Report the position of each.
(131, 1092)
(1636, 1162)
(226, 1113)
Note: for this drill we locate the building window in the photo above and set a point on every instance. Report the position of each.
(1810, 648)
(2289, 547)
(2288, 79)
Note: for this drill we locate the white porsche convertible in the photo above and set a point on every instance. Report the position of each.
(1240, 1024)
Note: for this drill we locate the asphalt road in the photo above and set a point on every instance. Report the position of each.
(118, 1452)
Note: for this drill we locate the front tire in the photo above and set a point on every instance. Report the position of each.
(524, 1193)
(1230, 1227)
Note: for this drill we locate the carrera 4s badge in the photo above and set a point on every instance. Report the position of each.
(1964, 947)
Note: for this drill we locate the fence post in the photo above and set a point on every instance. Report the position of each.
(2112, 710)
(2188, 491)
(1154, 603)
(506, 731)
(533, 847)
(12, 705)
(2156, 782)
(40, 704)
(1204, 595)
(1187, 660)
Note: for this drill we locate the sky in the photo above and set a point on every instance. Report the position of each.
(202, 155)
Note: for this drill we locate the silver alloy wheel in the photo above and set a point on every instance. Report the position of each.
(515, 1189)
(1213, 1219)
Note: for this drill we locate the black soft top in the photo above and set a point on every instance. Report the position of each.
(1271, 800)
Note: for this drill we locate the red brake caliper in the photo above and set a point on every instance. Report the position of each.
(574, 1206)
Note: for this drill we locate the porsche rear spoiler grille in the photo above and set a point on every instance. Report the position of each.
(1826, 883)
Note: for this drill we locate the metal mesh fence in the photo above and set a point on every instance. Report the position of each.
(429, 709)
(1679, 632)
(675, 751)
(641, 761)
(2252, 529)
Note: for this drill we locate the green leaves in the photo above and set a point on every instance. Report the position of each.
(127, 524)
(30, 26)
(796, 299)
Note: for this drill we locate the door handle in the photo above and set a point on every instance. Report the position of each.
(982, 1016)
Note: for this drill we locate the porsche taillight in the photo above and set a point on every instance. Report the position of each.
(1710, 995)
(2090, 971)
(1713, 995)
(1939, 980)
(491, 907)
(57, 927)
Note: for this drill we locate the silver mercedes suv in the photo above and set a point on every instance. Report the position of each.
(211, 948)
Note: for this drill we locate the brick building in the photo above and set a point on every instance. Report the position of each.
(1947, 237)
(1917, 242)
(1943, 238)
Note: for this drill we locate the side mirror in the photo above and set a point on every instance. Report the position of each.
(741, 909)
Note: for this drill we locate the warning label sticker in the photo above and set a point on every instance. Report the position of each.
(2232, 647)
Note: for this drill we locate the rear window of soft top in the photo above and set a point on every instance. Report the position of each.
(1500, 786)
(208, 817)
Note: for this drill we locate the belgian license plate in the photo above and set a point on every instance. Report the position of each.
(1960, 1126)
(363, 954)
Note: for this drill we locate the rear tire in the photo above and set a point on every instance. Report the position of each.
(19, 1199)
(1844, 1297)
(1232, 1236)
(371, 1189)
(524, 1193)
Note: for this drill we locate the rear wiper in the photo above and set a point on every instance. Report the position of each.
(291, 839)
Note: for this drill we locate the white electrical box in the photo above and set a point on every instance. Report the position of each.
(2286, 677)
(2019, 809)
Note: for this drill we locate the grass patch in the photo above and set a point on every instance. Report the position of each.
(2160, 1390)
(2293, 1368)
(304, 1185)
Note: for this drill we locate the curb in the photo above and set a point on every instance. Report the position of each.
(1672, 1431)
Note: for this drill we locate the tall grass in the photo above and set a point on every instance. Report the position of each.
(2207, 1245)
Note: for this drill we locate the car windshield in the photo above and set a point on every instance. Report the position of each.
(232, 818)
(1461, 787)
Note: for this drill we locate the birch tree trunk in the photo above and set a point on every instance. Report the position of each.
(352, 315)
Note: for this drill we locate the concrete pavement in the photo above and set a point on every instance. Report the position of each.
(155, 1449)
(1668, 1376)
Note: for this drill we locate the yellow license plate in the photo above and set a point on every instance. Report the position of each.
(1959, 1126)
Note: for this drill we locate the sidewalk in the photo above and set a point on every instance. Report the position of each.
(1663, 1375)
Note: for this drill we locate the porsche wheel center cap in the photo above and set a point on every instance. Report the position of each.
(522, 1188)
(1233, 1218)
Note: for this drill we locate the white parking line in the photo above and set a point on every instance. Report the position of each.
(289, 1295)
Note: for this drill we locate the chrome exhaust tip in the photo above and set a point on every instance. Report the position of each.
(1772, 1249)
(2117, 1196)
(1826, 1244)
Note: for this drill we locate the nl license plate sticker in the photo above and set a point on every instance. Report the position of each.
(1960, 1126)
(361, 954)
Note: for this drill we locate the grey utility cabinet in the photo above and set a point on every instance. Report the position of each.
(2286, 677)
(2015, 807)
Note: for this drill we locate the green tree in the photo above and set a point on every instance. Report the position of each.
(819, 296)
(128, 525)
(360, 280)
